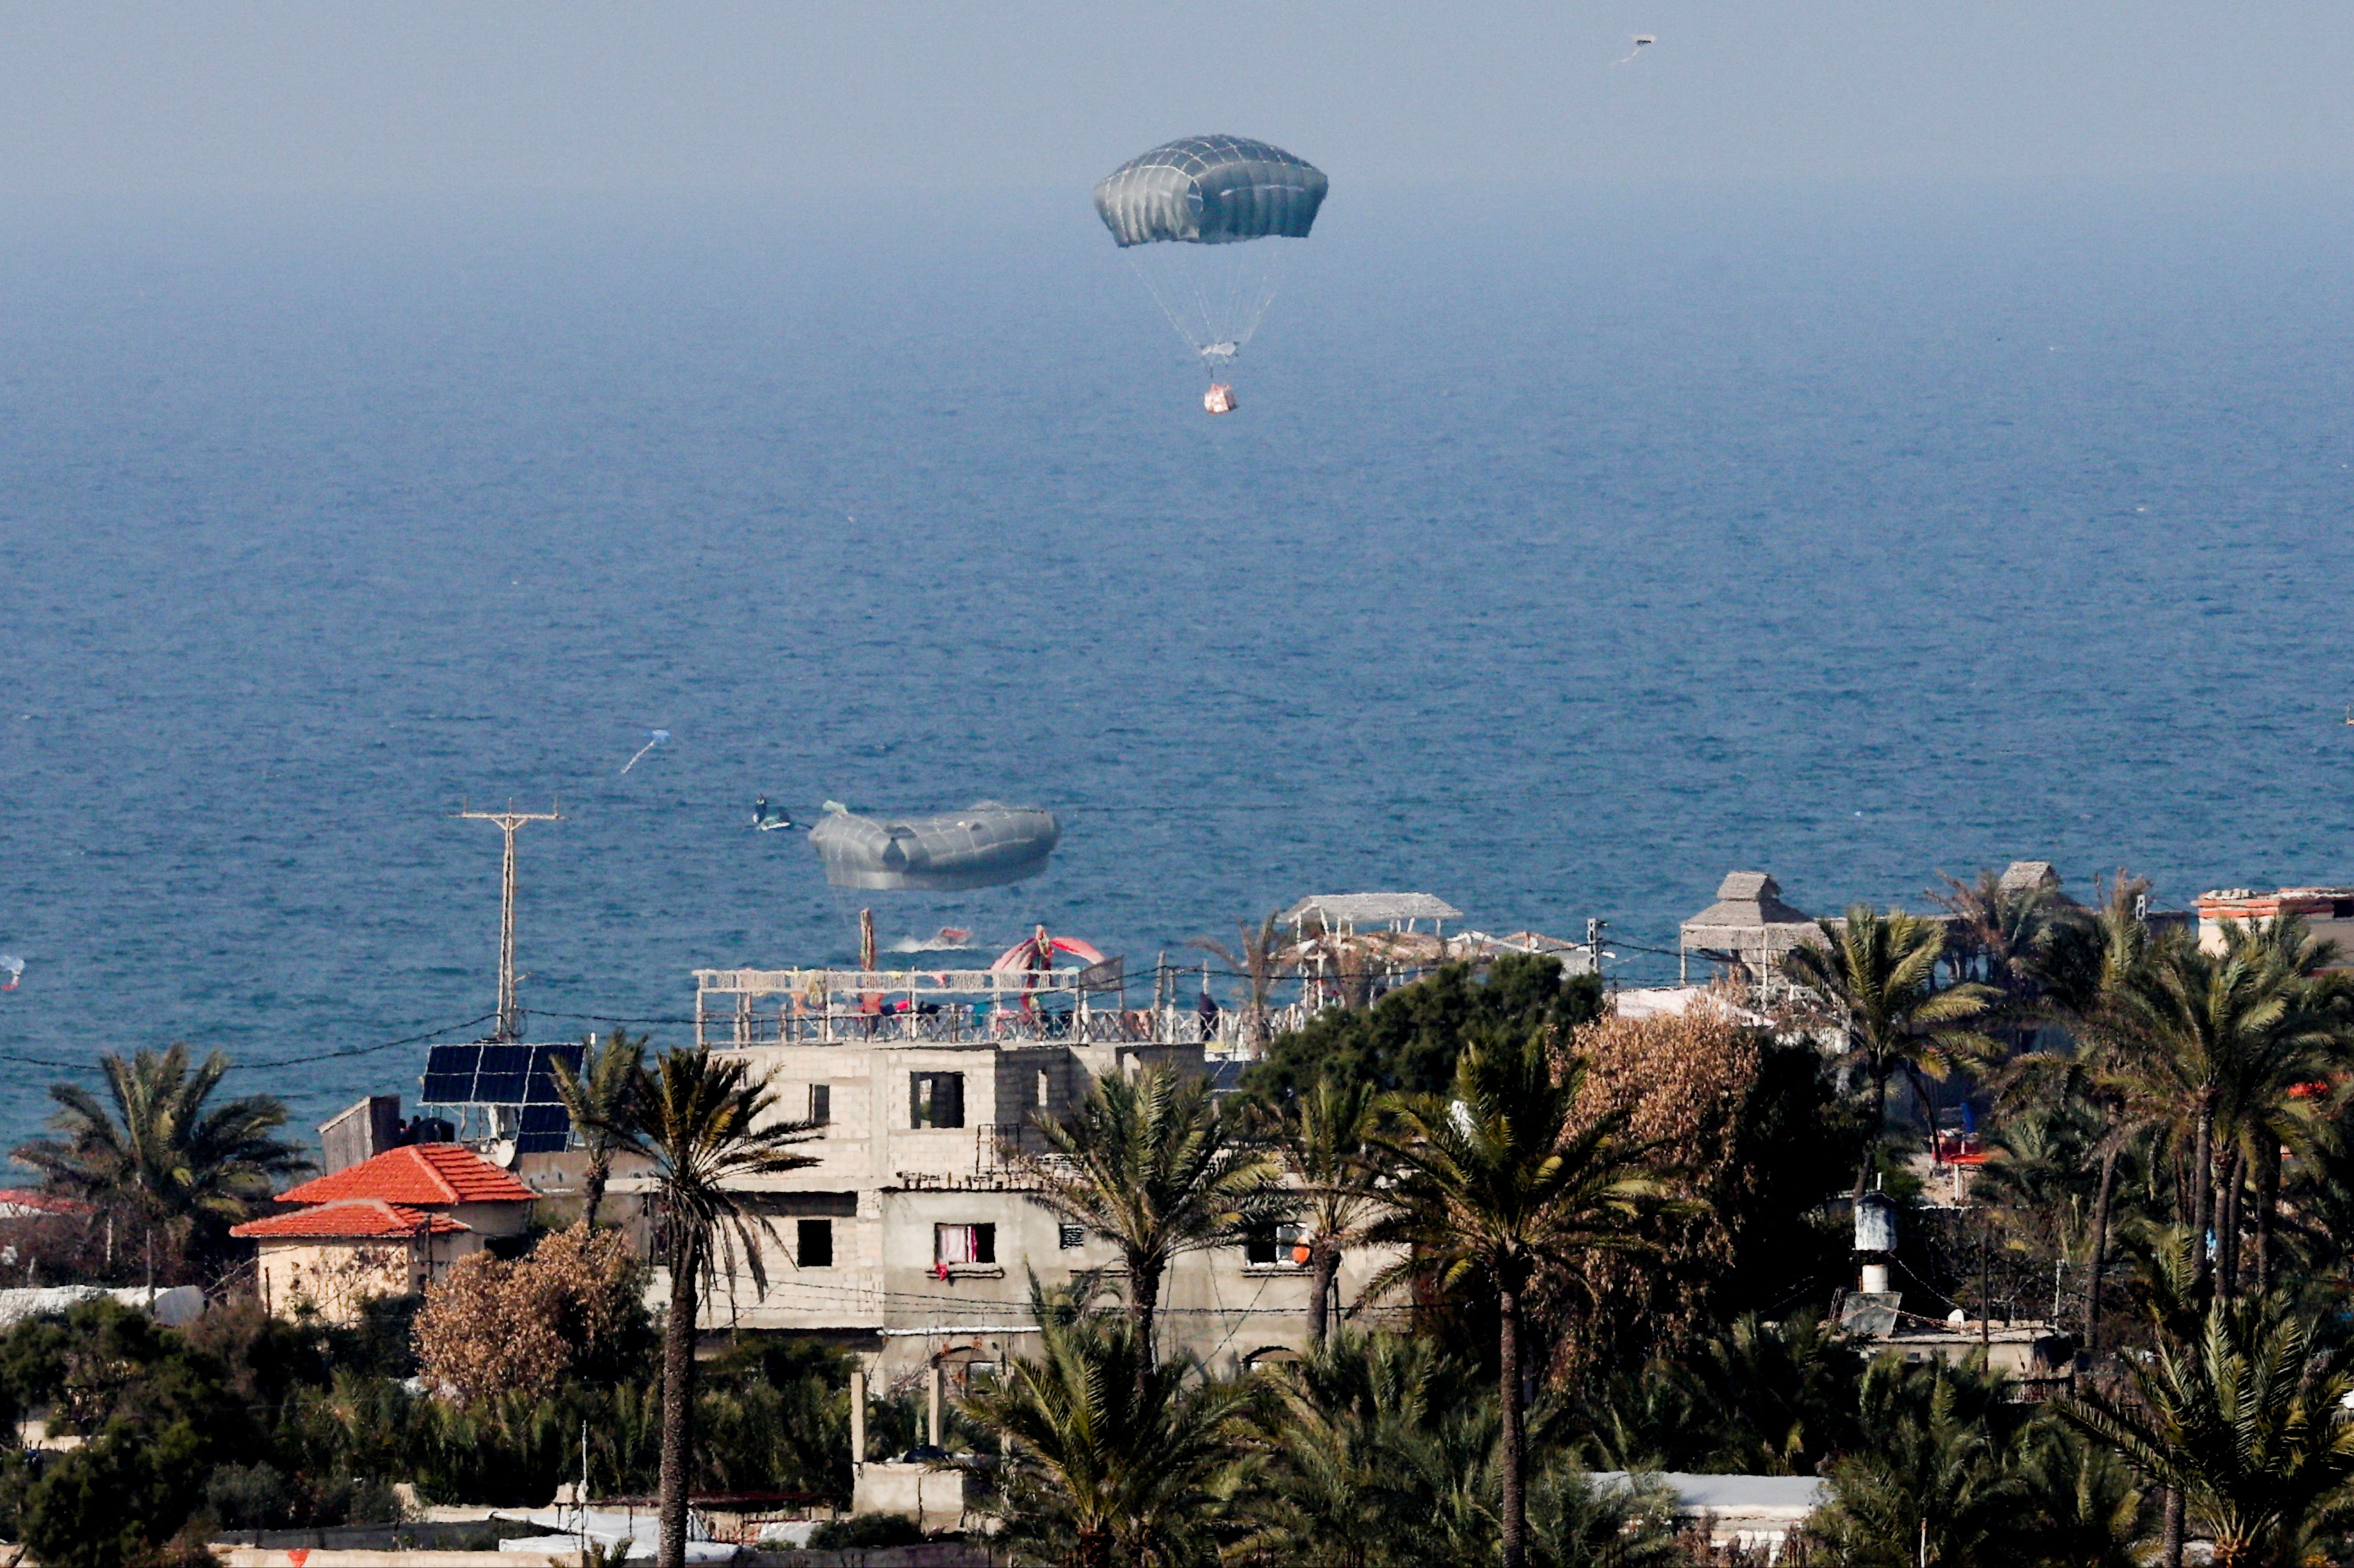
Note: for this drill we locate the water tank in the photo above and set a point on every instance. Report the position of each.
(1875, 1223)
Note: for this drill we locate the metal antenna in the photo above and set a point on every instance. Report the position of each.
(510, 1023)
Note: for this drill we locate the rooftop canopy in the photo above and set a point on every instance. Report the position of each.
(1747, 917)
(1346, 911)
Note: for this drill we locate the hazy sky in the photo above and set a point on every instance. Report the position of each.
(487, 95)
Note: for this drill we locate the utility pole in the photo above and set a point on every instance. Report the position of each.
(510, 1024)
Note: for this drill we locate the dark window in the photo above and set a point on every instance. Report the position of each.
(816, 1243)
(964, 1244)
(936, 1099)
(1069, 1236)
(821, 1103)
(1269, 1242)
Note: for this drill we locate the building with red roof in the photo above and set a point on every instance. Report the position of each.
(386, 1226)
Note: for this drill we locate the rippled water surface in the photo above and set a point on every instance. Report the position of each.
(1569, 550)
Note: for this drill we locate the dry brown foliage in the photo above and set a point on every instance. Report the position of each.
(1681, 1084)
(488, 1325)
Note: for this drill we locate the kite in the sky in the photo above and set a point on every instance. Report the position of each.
(1642, 42)
(653, 738)
(14, 968)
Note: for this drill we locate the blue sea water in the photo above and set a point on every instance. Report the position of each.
(1570, 548)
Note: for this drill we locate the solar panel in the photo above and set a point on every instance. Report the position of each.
(545, 1129)
(541, 1090)
(499, 1081)
(449, 1074)
(517, 1077)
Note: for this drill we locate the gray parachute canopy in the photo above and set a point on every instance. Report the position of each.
(1211, 190)
(984, 846)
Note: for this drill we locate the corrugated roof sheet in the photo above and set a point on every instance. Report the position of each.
(428, 1175)
(349, 1217)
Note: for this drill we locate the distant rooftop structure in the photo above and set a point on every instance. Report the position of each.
(348, 1217)
(1343, 913)
(1752, 1515)
(2327, 912)
(2026, 875)
(1644, 1002)
(1749, 927)
(30, 1203)
(417, 1175)
(1575, 958)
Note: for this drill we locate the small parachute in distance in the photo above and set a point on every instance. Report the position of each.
(1642, 41)
(653, 738)
(1190, 215)
(14, 968)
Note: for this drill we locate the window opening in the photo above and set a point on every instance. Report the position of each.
(964, 1244)
(936, 1099)
(1270, 1243)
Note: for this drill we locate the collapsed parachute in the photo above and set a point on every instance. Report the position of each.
(1183, 214)
(984, 846)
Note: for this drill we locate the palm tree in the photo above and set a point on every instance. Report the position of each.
(1327, 1151)
(2083, 1508)
(1113, 1455)
(1932, 1482)
(1346, 1432)
(1153, 1166)
(2211, 1045)
(1877, 975)
(1774, 1399)
(1997, 935)
(2081, 976)
(2244, 1420)
(161, 1153)
(594, 1098)
(1500, 1179)
(1254, 957)
(708, 1128)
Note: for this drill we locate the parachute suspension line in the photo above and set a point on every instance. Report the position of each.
(1214, 297)
(1144, 271)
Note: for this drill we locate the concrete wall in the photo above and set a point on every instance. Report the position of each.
(333, 1277)
(934, 1499)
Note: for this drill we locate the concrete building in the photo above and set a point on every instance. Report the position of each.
(912, 1237)
(2328, 913)
(386, 1226)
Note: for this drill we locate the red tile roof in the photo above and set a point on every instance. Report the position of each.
(17, 1202)
(422, 1175)
(350, 1217)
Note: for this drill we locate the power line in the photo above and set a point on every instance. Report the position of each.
(91, 1065)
